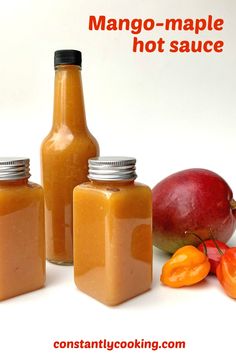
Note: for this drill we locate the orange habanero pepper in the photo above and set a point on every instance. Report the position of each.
(186, 267)
(226, 272)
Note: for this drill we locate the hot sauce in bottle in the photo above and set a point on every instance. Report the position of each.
(64, 155)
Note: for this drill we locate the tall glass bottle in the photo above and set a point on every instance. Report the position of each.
(64, 155)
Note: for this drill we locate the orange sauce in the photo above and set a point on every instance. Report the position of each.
(112, 240)
(22, 242)
(64, 159)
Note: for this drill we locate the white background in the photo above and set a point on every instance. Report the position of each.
(171, 111)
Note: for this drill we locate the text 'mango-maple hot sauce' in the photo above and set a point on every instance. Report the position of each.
(22, 242)
(64, 155)
(112, 232)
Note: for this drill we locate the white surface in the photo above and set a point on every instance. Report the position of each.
(171, 111)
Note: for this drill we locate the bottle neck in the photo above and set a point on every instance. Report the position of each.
(69, 111)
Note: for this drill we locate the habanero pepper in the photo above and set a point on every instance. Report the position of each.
(226, 272)
(186, 267)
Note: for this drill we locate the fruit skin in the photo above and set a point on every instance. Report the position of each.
(213, 254)
(226, 272)
(192, 200)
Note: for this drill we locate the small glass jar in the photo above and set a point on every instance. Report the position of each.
(22, 241)
(112, 232)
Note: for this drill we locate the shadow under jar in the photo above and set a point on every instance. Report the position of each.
(22, 241)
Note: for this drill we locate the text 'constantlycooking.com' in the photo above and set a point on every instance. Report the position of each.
(119, 344)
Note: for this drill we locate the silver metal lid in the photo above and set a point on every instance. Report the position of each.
(112, 168)
(14, 168)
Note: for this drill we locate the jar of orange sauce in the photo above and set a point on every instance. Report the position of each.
(22, 242)
(112, 232)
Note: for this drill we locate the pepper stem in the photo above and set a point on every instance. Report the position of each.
(205, 248)
(214, 240)
(196, 235)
